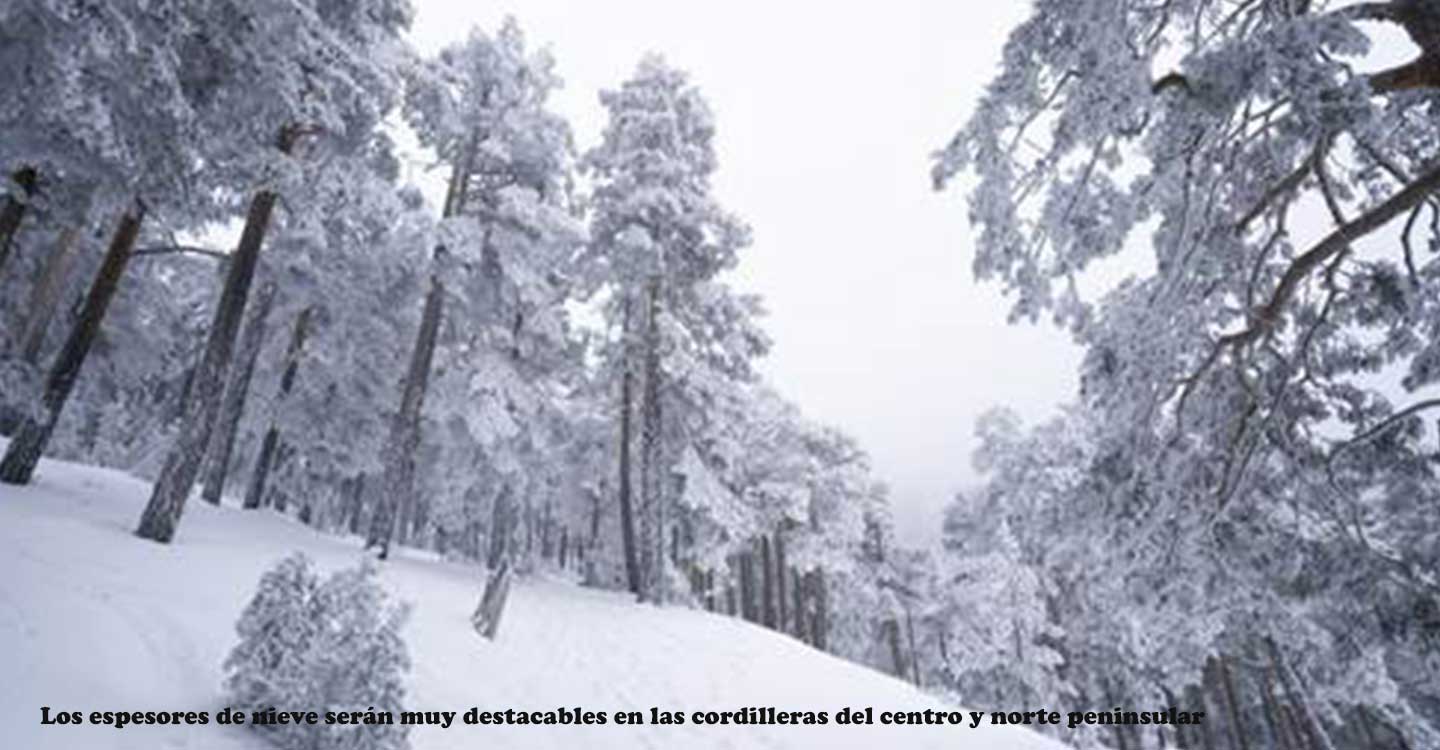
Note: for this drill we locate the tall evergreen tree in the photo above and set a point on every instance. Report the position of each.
(301, 49)
(1266, 180)
(657, 238)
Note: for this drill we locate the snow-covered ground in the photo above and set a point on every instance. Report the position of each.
(92, 618)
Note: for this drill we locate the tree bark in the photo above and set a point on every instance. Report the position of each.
(13, 211)
(1198, 701)
(492, 602)
(167, 502)
(1309, 721)
(767, 583)
(266, 459)
(820, 627)
(891, 627)
(747, 586)
(222, 444)
(29, 443)
(627, 511)
(652, 480)
(1227, 682)
(45, 296)
(1178, 729)
(731, 566)
(398, 481)
(500, 528)
(1278, 734)
(797, 584)
(914, 655)
(354, 502)
(782, 622)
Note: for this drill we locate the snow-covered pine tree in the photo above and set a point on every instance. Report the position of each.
(271, 665)
(232, 406)
(509, 233)
(345, 270)
(313, 645)
(86, 144)
(1266, 181)
(302, 68)
(657, 237)
(357, 659)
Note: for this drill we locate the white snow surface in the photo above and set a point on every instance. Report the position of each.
(94, 618)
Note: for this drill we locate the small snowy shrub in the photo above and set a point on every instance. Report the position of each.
(313, 645)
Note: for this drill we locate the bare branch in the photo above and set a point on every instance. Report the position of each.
(178, 249)
(1405, 241)
(1336, 242)
(1384, 425)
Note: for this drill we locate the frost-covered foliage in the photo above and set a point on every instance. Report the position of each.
(659, 239)
(308, 644)
(507, 357)
(486, 354)
(1249, 447)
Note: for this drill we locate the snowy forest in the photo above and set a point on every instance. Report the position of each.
(530, 360)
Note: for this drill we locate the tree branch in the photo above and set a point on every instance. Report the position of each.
(1336, 242)
(178, 249)
(1384, 425)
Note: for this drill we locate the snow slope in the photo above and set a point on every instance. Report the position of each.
(93, 618)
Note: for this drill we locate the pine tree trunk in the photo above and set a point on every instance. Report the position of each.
(29, 443)
(529, 518)
(45, 296)
(1198, 702)
(264, 461)
(1314, 729)
(914, 655)
(1279, 736)
(891, 628)
(1367, 727)
(232, 407)
(1179, 729)
(627, 511)
(1237, 728)
(398, 481)
(182, 465)
(747, 586)
(820, 627)
(767, 583)
(267, 458)
(782, 622)
(941, 637)
(596, 498)
(492, 603)
(500, 528)
(1292, 726)
(652, 491)
(797, 584)
(13, 211)
(357, 503)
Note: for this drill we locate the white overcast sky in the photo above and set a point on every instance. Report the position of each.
(827, 113)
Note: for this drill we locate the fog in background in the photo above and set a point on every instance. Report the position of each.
(827, 114)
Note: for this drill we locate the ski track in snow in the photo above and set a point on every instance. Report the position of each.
(93, 618)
